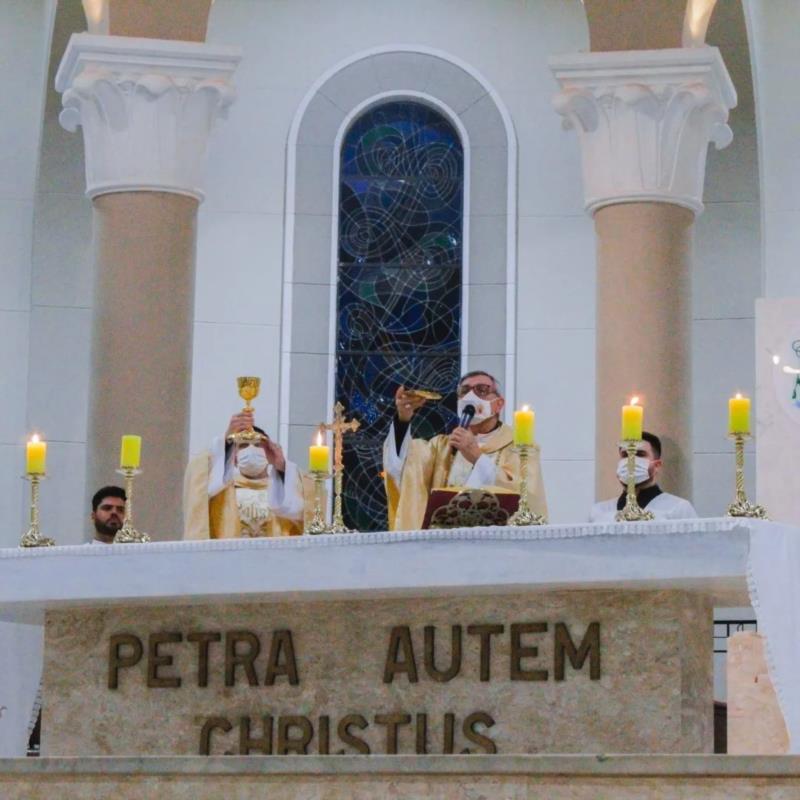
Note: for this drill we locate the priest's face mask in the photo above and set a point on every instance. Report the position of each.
(479, 391)
(647, 465)
(251, 459)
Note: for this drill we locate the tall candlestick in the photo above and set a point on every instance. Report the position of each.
(739, 414)
(632, 421)
(130, 452)
(35, 456)
(524, 426)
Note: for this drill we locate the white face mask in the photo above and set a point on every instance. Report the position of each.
(641, 473)
(251, 461)
(483, 408)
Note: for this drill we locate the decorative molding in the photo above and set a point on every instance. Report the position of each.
(147, 108)
(644, 119)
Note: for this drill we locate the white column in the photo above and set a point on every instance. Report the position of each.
(147, 108)
(644, 119)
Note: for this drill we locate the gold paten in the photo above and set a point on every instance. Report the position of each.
(425, 394)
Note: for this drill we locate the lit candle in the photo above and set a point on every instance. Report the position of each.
(35, 456)
(130, 452)
(524, 426)
(318, 455)
(632, 421)
(739, 414)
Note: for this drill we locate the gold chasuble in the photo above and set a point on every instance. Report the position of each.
(241, 508)
(430, 464)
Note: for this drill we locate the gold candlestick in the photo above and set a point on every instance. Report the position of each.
(632, 512)
(248, 387)
(318, 523)
(127, 534)
(339, 426)
(33, 537)
(524, 515)
(741, 506)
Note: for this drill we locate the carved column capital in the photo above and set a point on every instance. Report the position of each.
(644, 119)
(147, 107)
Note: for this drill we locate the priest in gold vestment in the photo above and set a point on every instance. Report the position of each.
(245, 490)
(478, 456)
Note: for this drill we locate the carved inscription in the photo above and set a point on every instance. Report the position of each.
(438, 655)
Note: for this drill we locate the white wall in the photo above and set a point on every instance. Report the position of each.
(509, 44)
(24, 39)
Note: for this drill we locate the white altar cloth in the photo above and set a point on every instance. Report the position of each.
(721, 557)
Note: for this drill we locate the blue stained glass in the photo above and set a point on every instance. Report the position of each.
(399, 284)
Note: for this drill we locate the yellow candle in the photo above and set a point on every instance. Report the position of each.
(130, 452)
(524, 426)
(318, 456)
(36, 456)
(739, 414)
(632, 421)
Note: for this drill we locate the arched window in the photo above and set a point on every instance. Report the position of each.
(399, 286)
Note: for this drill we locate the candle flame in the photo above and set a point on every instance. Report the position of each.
(35, 438)
(635, 400)
(319, 438)
(526, 408)
(738, 395)
(776, 360)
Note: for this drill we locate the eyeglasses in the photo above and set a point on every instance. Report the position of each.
(483, 390)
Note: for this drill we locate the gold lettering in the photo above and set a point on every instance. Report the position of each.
(589, 647)
(468, 729)
(205, 734)
(518, 652)
(203, 640)
(343, 732)
(485, 632)
(392, 723)
(117, 661)
(288, 744)
(156, 660)
(442, 676)
(248, 743)
(234, 658)
(281, 643)
(400, 637)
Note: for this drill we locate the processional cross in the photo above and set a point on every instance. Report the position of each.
(339, 427)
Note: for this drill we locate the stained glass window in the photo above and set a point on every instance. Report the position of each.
(399, 284)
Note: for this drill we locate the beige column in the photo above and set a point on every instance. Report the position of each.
(644, 119)
(146, 106)
(142, 345)
(644, 332)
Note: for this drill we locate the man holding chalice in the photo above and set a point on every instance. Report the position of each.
(243, 486)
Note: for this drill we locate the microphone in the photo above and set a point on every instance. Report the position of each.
(466, 417)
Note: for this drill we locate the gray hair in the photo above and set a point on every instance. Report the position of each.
(495, 383)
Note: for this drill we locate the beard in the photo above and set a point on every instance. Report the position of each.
(107, 528)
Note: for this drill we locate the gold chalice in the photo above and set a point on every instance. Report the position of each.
(248, 390)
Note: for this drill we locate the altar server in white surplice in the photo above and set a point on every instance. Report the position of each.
(247, 490)
(648, 493)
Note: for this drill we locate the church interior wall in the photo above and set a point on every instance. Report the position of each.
(24, 37)
(240, 252)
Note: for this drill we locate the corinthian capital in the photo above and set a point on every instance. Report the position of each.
(645, 119)
(147, 107)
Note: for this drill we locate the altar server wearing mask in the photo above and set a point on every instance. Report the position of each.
(478, 453)
(648, 493)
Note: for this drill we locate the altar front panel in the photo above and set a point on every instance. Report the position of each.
(558, 671)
